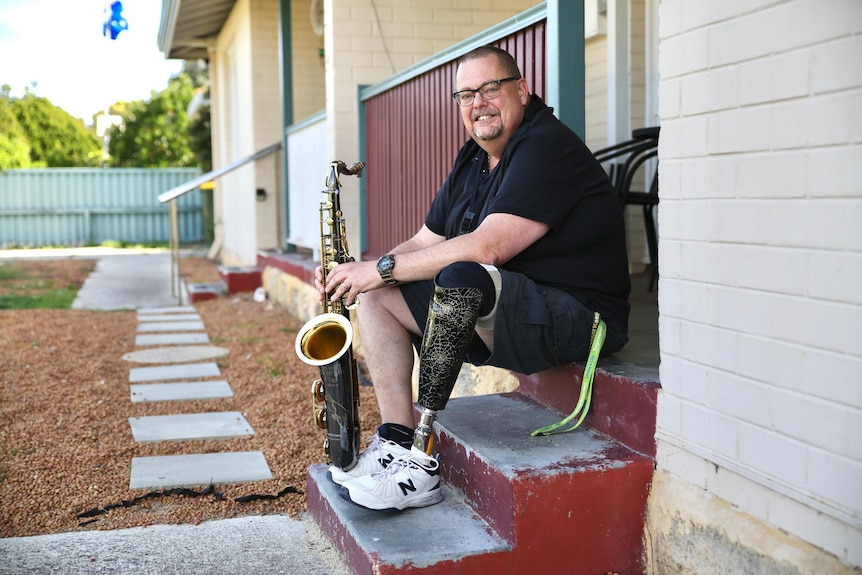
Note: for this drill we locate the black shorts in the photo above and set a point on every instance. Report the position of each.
(536, 327)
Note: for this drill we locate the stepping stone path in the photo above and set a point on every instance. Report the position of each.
(182, 391)
(178, 327)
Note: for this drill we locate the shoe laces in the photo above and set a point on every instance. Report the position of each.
(373, 442)
(406, 460)
(377, 443)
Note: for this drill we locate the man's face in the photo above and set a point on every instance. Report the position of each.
(489, 120)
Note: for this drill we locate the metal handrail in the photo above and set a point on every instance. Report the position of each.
(174, 193)
(196, 183)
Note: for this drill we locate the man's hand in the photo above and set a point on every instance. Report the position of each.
(318, 284)
(348, 280)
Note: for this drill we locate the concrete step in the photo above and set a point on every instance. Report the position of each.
(175, 371)
(176, 354)
(568, 503)
(171, 339)
(189, 426)
(170, 326)
(150, 317)
(444, 538)
(182, 391)
(169, 471)
(197, 292)
(165, 310)
(625, 396)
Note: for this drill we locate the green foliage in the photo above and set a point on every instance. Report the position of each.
(155, 134)
(119, 244)
(57, 140)
(14, 147)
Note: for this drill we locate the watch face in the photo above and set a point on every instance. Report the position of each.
(385, 264)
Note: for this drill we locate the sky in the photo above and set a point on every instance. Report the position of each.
(58, 45)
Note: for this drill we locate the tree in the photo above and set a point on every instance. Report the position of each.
(156, 133)
(56, 139)
(14, 147)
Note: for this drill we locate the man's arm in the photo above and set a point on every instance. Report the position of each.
(498, 239)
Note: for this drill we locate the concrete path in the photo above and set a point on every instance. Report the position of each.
(129, 282)
(269, 545)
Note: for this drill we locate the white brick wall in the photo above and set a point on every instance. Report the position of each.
(761, 251)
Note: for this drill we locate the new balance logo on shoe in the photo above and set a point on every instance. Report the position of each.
(386, 460)
(405, 487)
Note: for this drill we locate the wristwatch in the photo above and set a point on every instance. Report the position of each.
(385, 265)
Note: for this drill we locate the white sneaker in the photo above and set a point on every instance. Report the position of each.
(376, 457)
(412, 480)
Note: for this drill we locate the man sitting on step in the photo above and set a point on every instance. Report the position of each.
(522, 246)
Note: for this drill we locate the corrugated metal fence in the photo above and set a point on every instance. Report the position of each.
(82, 206)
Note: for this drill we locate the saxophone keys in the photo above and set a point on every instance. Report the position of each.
(320, 417)
(317, 390)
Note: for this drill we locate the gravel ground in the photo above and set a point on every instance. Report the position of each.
(65, 443)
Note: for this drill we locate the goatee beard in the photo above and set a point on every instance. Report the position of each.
(494, 133)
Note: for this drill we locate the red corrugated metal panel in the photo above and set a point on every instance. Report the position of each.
(413, 132)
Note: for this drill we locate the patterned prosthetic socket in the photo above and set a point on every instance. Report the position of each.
(451, 321)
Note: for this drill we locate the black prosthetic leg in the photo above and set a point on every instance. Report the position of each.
(452, 317)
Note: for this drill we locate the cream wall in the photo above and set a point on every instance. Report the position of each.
(235, 190)
(267, 123)
(596, 88)
(760, 414)
(635, 231)
(247, 103)
(597, 108)
(309, 92)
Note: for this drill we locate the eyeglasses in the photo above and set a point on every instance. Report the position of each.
(488, 90)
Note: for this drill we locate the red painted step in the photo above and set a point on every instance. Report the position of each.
(240, 279)
(204, 291)
(569, 503)
(624, 400)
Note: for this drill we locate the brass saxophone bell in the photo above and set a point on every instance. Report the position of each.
(324, 339)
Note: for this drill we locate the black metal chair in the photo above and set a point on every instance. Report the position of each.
(623, 162)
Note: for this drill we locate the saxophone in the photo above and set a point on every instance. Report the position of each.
(326, 341)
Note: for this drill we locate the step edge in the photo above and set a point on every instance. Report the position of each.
(354, 532)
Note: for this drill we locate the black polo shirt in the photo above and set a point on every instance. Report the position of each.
(546, 174)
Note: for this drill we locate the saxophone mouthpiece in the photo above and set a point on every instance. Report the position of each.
(337, 167)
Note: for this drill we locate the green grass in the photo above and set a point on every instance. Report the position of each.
(11, 272)
(126, 245)
(18, 290)
(118, 244)
(55, 299)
